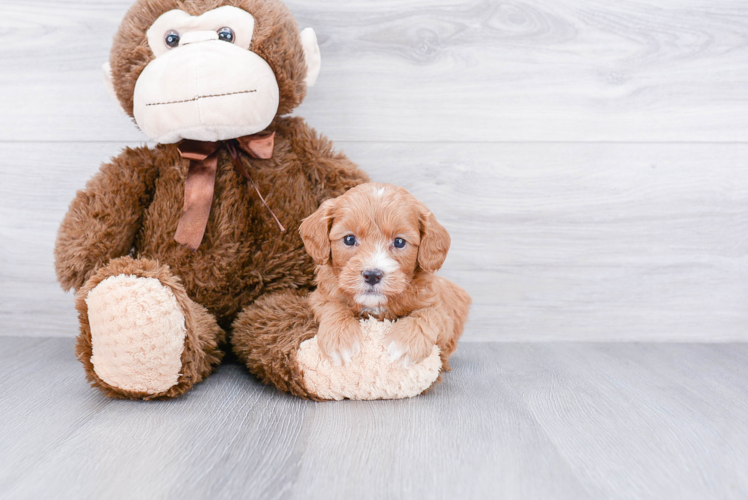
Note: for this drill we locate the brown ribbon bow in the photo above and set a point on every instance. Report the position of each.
(201, 178)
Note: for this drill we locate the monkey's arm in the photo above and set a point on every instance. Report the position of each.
(331, 172)
(104, 218)
(338, 174)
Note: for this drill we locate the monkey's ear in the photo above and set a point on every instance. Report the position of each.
(315, 233)
(312, 56)
(109, 84)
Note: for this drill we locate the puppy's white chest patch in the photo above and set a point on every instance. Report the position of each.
(374, 311)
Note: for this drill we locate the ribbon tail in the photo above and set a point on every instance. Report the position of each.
(240, 167)
(262, 199)
(198, 198)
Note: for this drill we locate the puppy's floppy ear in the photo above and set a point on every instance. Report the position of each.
(435, 242)
(315, 233)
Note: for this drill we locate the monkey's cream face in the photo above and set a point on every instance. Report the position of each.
(204, 83)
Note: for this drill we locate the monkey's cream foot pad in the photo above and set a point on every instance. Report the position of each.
(137, 333)
(370, 374)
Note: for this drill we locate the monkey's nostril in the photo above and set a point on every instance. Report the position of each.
(372, 276)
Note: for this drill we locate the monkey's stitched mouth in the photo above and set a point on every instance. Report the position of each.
(200, 97)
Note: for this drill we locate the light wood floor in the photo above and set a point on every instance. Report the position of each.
(511, 421)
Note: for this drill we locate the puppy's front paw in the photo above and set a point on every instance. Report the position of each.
(339, 341)
(409, 341)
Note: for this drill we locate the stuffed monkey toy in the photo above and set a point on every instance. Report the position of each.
(165, 246)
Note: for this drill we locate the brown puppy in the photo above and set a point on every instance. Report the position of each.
(377, 248)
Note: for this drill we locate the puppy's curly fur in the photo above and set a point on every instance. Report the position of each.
(429, 309)
(377, 249)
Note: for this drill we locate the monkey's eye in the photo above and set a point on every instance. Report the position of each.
(226, 34)
(399, 243)
(349, 240)
(171, 39)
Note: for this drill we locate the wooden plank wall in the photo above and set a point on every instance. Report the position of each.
(589, 157)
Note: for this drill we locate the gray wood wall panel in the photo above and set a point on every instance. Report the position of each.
(553, 240)
(477, 70)
(588, 157)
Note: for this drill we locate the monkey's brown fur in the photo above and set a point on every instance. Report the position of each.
(124, 221)
(201, 352)
(267, 336)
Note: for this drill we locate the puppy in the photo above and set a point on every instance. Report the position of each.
(377, 248)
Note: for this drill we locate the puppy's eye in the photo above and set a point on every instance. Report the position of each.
(349, 240)
(226, 34)
(399, 243)
(171, 39)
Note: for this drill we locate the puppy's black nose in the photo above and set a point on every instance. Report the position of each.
(373, 276)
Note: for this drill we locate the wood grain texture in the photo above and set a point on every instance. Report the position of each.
(553, 241)
(423, 70)
(564, 421)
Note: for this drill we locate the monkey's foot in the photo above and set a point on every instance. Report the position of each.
(137, 334)
(141, 336)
